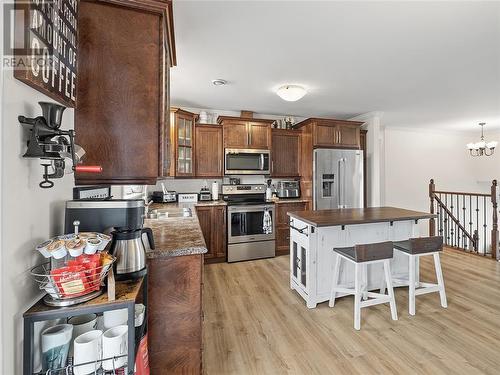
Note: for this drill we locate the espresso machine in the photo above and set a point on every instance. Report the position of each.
(123, 219)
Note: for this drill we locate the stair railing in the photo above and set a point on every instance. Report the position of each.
(467, 221)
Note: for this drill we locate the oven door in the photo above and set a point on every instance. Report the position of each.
(246, 223)
(246, 161)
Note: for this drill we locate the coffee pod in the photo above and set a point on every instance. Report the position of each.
(105, 240)
(92, 246)
(57, 249)
(42, 248)
(76, 246)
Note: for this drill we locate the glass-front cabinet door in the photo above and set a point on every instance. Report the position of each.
(183, 138)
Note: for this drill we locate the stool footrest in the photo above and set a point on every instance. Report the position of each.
(428, 289)
(375, 301)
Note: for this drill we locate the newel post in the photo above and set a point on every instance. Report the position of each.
(432, 222)
(494, 229)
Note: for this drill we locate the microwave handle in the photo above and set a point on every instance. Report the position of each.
(261, 162)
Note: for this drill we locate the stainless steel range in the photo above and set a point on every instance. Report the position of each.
(250, 230)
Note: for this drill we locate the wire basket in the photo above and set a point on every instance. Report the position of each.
(70, 281)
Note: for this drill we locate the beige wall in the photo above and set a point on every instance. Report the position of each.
(29, 215)
(413, 156)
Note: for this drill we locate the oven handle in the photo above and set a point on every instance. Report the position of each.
(252, 208)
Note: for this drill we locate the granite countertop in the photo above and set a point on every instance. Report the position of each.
(349, 216)
(292, 200)
(176, 236)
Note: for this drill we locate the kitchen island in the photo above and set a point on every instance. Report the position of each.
(314, 234)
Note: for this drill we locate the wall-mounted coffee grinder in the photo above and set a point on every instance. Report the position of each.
(48, 142)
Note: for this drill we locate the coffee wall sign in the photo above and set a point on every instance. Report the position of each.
(46, 31)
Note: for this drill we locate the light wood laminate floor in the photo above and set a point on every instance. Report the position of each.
(254, 324)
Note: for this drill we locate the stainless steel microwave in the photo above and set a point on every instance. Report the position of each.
(246, 161)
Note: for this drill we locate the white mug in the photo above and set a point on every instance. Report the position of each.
(114, 344)
(113, 318)
(82, 324)
(88, 348)
(55, 346)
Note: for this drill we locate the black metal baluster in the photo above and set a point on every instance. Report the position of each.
(477, 224)
(484, 226)
(470, 216)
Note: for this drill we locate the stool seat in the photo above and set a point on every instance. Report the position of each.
(367, 252)
(420, 245)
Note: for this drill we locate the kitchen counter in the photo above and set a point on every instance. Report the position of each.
(291, 200)
(176, 237)
(349, 216)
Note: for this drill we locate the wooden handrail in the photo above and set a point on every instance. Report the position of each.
(462, 193)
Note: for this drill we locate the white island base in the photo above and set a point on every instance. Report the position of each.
(312, 257)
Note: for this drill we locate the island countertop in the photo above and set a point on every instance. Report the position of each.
(349, 216)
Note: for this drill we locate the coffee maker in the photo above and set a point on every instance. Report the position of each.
(123, 219)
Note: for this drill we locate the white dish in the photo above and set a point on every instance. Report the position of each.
(139, 311)
(113, 318)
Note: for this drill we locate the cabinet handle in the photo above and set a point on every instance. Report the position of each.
(340, 136)
(250, 134)
(220, 165)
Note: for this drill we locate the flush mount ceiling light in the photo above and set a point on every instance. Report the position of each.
(291, 93)
(482, 147)
(219, 82)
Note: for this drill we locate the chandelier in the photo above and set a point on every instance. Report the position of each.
(482, 147)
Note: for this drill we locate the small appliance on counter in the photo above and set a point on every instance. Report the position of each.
(288, 189)
(92, 192)
(161, 197)
(187, 197)
(124, 219)
(205, 194)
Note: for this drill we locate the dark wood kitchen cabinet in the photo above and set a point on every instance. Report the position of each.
(121, 114)
(282, 227)
(239, 132)
(209, 151)
(212, 221)
(182, 143)
(175, 314)
(333, 133)
(285, 153)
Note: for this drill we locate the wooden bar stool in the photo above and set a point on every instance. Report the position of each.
(362, 256)
(415, 248)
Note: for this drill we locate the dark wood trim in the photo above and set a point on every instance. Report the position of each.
(494, 228)
(319, 120)
(220, 119)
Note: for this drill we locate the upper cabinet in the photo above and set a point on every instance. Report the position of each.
(182, 143)
(209, 151)
(246, 133)
(121, 115)
(334, 133)
(285, 153)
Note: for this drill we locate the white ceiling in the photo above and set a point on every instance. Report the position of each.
(432, 64)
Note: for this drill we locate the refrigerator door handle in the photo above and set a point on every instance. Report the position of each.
(343, 182)
(339, 162)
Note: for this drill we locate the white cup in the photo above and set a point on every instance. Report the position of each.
(114, 344)
(113, 318)
(82, 324)
(88, 348)
(55, 346)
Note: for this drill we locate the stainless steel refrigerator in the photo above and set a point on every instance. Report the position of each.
(337, 179)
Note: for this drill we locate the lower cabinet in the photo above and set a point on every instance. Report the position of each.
(213, 226)
(175, 314)
(282, 228)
